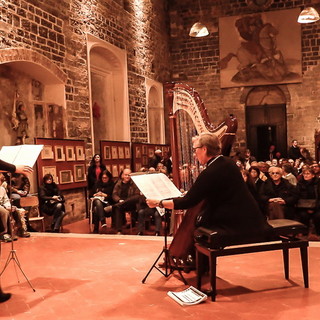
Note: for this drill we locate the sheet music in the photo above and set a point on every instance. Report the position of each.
(156, 186)
(25, 154)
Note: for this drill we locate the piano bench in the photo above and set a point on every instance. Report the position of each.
(285, 237)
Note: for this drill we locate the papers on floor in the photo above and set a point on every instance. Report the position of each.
(188, 297)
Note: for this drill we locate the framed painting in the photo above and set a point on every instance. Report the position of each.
(79, 172)
(150, 152)
(70, 153)
(115, 171)
(120, 152)
(59, 153)
(260, 49)
(138, 152)
(144, 160)
(114, 152)
(144, 150)
(121, 167)
(65, 176)
(137, 166)
(39, 120)
(80, 153)
(127, 153)
(47, 152)
(108, 167)
(50, 170)
(106, 152)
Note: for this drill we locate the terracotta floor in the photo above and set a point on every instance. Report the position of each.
(82, 276)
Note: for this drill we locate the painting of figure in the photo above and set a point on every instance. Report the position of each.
(260, 49)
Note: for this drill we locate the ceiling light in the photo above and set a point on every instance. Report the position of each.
(308, 15)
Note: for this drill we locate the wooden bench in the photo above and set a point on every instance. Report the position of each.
(285, 236)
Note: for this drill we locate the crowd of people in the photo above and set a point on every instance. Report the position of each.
(285, 187)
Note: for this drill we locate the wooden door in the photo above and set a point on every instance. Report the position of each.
(266, 125)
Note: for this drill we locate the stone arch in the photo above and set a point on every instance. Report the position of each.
(155, 111)
(266, 119)
(33, 63)
(109, 92)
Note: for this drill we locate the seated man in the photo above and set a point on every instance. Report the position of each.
(19, 186)
(144, 212)
(126, 196)
(5, 207)
(279, 196)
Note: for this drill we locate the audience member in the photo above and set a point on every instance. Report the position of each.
(316, 168)
(144, 212)
(156, 158)
(288, 174)
(278, 195)
(126, 196)
(52, 202)
(101, 197)
(255, 175)
(94, 171)
(5, 207)
(308, 206)
(294, 151)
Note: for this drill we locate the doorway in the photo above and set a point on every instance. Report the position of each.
(266, 125)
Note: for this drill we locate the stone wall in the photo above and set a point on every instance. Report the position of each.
(196, 62)
(58, 29)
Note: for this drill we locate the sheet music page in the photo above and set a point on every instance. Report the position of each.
(25, 154)
(156, 186)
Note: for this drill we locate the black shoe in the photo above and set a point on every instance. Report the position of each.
(140, 233)
(157, 234)
(4, 297)
(30, 229)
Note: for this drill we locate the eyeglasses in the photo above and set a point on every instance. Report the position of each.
(195, 148)
(273, 173)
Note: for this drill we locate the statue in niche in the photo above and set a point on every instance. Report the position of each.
(20, 123)
(37, 89)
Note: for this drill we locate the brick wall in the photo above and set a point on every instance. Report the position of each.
(195, 61)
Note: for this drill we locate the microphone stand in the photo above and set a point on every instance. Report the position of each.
(13, 254)
(169, 269)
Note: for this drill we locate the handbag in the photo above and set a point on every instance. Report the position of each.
(307, 203)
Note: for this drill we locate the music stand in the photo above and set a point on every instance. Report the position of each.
(169, 269)
(13, 253)
(25, 154)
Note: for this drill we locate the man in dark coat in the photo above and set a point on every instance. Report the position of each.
(294, 151)
(280, 192)
(229, 206)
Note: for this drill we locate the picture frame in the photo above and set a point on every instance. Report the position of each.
(65, 176)
(106, 152)
(79, 173)
(137, 167)
(120, 152)
(80, 156)
(50, 170)
(127, 166)
(70, 153)
(47, 152)
(144, 150)
(108, 167)
(138, 152)
(150, 152)
(114, 152)
(127, 153)
(59, 153)
(144, 160)
(121, 167)
(115, 171)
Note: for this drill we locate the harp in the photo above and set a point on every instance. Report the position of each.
(188, 117)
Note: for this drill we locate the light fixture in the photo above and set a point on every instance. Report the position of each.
(199, 29)
(308, 15)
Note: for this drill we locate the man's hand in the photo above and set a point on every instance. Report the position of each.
(23, 169)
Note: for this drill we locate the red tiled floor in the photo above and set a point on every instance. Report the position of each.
(99, 277)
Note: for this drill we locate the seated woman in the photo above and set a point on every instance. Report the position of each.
(101, 197)
(52, 202)
(308, 206)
